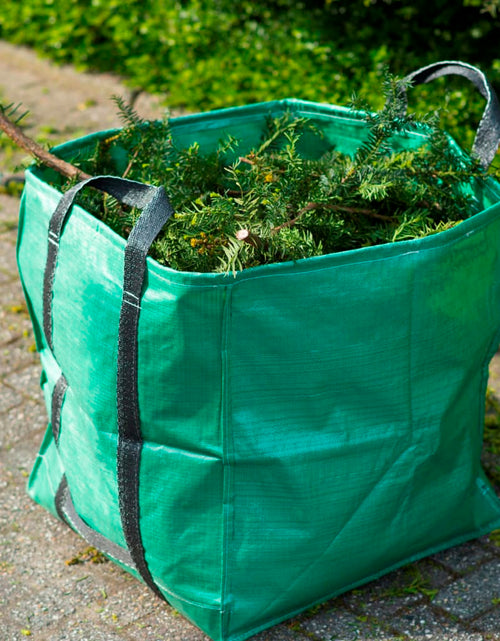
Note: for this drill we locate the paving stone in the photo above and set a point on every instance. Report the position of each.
(14, 316)
(7, 276)
(8, 290)
(17, 514)
(170, 626)
(383, 608)
(408, 585)
(9, 213)
(8, 255)
(342, 625)
(382, 597)
(8, 398)
(473, 594)
(26, 381)
(489, 623)
(423, 623)
(8, 332)
(464, 558)
(280, 633)
(490, 463)
(19, 421)
(434, 576)
(21, 456)
(80, 632)
(8, 223)
(494, 541)
(17, 354)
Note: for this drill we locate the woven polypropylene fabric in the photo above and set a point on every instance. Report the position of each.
(306, 426)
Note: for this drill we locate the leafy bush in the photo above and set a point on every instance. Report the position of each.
(205, 54)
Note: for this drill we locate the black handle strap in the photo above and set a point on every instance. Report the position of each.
(488, 132)
(129, 424)
(66, 511)
(156, 211)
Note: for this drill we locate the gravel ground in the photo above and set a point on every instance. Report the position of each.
(42, 597)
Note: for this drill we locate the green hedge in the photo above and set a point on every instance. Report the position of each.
(205, 54)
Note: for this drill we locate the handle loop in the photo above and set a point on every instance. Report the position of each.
(156, 211)
(488, 132)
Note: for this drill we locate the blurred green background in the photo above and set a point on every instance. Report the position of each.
(202, 54)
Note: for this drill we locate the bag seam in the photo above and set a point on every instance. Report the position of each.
(227, 461)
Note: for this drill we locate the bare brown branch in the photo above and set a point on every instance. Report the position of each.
(16, 134)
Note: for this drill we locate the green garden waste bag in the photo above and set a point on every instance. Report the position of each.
(249, 445)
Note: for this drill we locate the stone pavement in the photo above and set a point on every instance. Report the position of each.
(454, 595)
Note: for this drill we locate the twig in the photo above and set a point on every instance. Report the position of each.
(246, 160)
(349, 210)
(246, 236)
(16, 134)
(131, 162)
(364, 212)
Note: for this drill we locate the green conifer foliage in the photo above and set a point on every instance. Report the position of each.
(272, 204)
